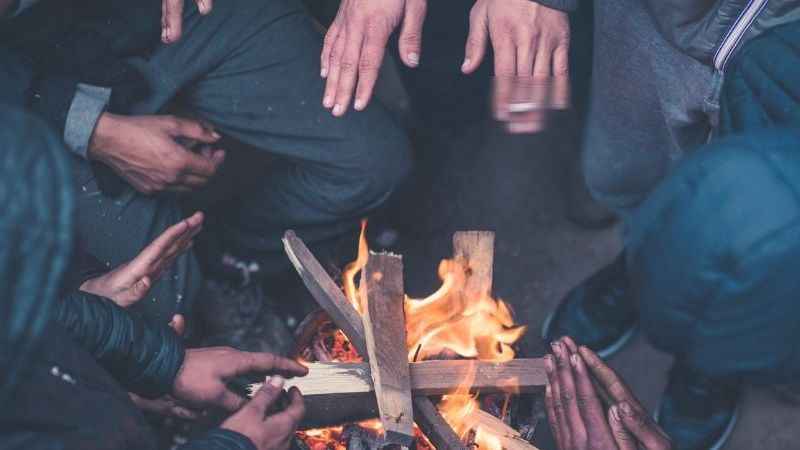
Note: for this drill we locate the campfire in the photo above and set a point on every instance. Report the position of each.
(374, 352)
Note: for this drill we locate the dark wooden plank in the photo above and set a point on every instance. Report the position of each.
(385, 335)
(325, 291)
(330, 297)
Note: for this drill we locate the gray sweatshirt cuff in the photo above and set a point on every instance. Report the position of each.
(561, 5)
(86, 107)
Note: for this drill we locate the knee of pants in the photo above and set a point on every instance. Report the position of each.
(381, 163)
(708, 252)
(618, 182)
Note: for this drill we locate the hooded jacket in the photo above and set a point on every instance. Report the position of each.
(67, 359)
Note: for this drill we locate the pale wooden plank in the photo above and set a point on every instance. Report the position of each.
(385, 335)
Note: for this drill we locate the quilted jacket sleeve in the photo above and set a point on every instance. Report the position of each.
(144, 357)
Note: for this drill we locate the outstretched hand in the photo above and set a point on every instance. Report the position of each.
(527, 37)
(577, 417)
(356, 42)
(130, 282)
(201, 380)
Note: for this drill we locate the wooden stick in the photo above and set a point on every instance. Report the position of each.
(509, 438)
(475, 249)
(344, 315)
(385, 333)
(325, 291)
(434, 377)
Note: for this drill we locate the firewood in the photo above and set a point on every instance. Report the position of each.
(325, 291)
(475, 249)
(385, 335)
(434, 377)
(344, 315)
(509, 438)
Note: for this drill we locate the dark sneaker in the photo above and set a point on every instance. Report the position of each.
(696, 412)
(600, 313)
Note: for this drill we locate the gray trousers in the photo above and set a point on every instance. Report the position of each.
(251, 68)
(650, 104)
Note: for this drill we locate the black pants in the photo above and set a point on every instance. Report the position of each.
(251, 68)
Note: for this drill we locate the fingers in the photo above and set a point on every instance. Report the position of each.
(266, 363)
(410, 43)
(349, 67)
(557, 404)
(369, 66)
(505, 59)
(561, 60)
(178, 324)
(609, 380)
(334, 69)
(542, 66)
(166, 246)
(204, 6)
(267, 395)
(476, 40)
(284, 423)
(566, 382)
(639, 424)
(552, 418)
(621, 435)
(171, 20)
(192, 129)
(327, 47)
(591, 408)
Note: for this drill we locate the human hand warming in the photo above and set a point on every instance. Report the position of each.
(531, 58)
(130, 282)
(172, 17)
(143, 150)
(201, 380)
(266, 429)
(527, 37)
(576, 414)
(356, 42)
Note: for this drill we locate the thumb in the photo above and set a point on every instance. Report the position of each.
(171, 20)
(476, 41)
(267, 395)
(178, 324)
(411, 32)
(194, 130)
(140, 288)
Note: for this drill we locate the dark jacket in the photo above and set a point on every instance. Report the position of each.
(68, 360)
(56, 44)
(762, 84)
(713, 30)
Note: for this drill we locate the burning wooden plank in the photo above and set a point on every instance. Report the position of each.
(385, 332)
(325, 291)
(345, 316)
(475, 250)
(434, 377)
(508, 438)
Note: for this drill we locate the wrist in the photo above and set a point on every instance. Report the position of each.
(102, 137)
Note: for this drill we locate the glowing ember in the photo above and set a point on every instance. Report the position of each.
(449, 322)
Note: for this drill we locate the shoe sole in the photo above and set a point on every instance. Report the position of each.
(603, 353)
(726, 435)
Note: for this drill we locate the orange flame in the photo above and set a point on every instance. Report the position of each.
(456, 321)
(352, 269)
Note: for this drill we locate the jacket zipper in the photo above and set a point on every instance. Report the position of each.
(737, 31)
